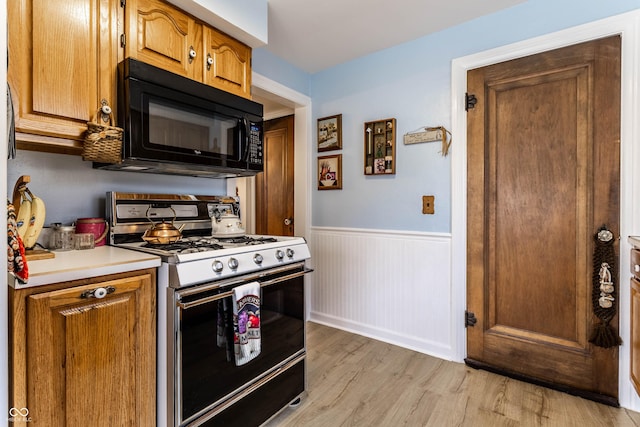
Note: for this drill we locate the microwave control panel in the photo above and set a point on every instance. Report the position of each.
(255, 145)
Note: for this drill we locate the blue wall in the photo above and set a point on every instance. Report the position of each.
(72, 189)
(412, 83)
(273, 67)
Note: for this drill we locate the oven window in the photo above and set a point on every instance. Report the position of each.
(207, 365)
(174, 127)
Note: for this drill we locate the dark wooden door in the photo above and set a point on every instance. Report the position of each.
(543, 176)
(274, 186)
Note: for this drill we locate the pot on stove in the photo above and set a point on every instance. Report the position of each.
(163, 233)
(226, 225)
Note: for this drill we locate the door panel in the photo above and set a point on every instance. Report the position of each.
(92, 359)
(543, 176)
(274, 187)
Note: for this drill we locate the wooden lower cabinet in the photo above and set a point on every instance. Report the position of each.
(78, 360)
(635, 333)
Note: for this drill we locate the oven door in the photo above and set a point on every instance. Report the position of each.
(205, 372)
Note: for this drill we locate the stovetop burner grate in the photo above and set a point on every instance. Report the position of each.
(203, 244)
(247, 240)
(184, 246)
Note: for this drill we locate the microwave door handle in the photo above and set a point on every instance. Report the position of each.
(244, 139)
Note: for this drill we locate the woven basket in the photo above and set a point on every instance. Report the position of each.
(102, 143)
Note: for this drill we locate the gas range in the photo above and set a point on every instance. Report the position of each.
(197, 376)
(198, 256)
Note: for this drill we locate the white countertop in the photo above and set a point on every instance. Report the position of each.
(82, 264)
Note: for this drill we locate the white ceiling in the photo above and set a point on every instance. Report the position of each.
(314, 35)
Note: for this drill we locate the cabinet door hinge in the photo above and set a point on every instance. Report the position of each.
(123, 40)
(123, 3)
(469, 319)
(470, 101)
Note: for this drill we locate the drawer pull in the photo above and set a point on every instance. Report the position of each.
(98, 292)
(636, 268)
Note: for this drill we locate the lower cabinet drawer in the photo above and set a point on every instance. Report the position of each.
(635, 262)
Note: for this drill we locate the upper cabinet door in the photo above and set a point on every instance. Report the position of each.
(62, 63)
(161, 35)
(227, 63)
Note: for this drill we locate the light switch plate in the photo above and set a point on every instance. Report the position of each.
(428, 204)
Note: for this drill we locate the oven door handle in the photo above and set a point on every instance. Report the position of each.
(284, 278)
(191, 304)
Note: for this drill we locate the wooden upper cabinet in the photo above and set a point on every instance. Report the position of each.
(62, 63)
(168, 38)
(163, 36)
(227, 63)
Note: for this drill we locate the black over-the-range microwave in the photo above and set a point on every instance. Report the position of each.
(175, 125)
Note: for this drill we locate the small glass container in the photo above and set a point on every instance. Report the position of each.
(62, 237)
(84, 241)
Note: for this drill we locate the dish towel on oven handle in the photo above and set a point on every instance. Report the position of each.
(246, 322)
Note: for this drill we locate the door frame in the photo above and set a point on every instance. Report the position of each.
(626, 25)
(302, 159)
(303, 162)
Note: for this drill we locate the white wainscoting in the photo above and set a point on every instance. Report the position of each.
(388, 285)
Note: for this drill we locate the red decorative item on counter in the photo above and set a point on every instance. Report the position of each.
(96, 226)
(16, 261)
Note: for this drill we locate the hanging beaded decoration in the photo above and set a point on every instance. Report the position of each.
(604, 291)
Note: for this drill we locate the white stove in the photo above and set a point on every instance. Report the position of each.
(197, 380)
(213, 258)
(198, 256)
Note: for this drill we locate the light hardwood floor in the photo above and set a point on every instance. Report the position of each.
(357, 381)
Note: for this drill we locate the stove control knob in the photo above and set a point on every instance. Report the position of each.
(279, 254)
(217, 266)
(290, 253)
(233, 263)
(257, 258)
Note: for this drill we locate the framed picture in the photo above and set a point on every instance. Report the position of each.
(330, 172)
(330, 133)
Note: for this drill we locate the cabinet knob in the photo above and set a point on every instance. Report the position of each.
(98, 292)
(636, 268)
(192, 54)
(209, 61)
(288, 221)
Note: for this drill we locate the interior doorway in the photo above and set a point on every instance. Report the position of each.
(542, 178)
(624, 25)
(279, 101)
(275, 185)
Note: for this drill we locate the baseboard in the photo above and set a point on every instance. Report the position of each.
(596, 397)
(409, 342)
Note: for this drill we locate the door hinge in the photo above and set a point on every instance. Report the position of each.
(123, 40)
(470, 101)
(469, 319)
(123, 3)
